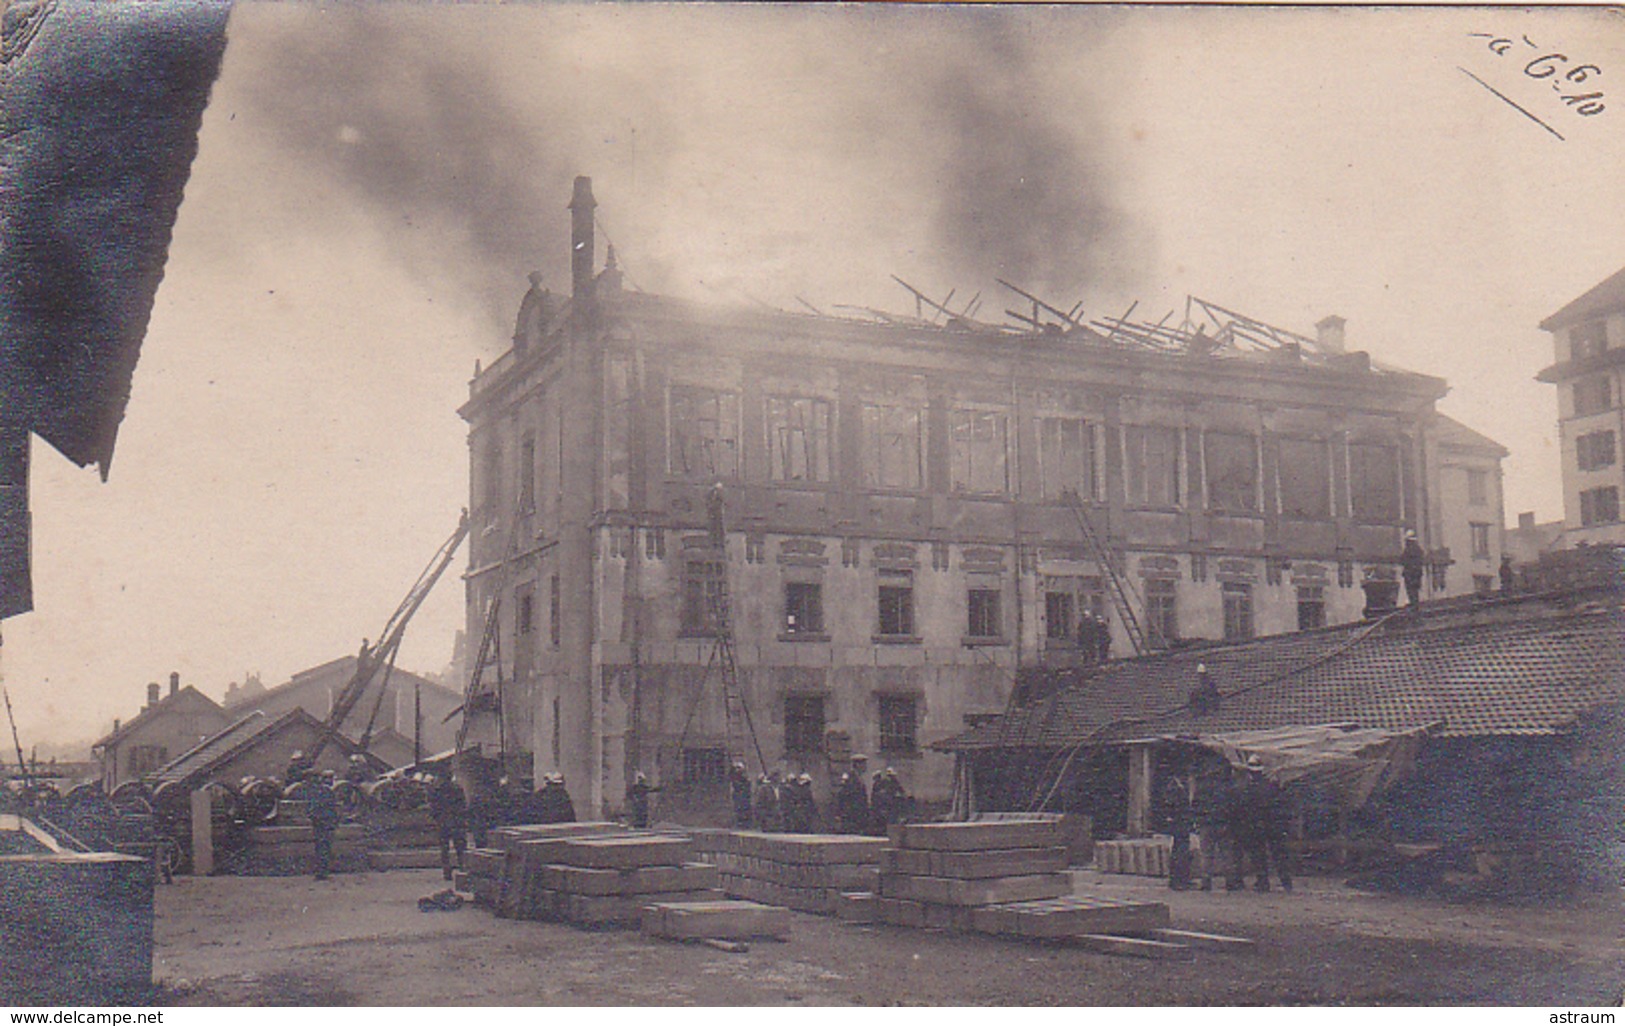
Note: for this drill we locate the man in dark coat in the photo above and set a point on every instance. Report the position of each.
(739, 791)
(555, 801)
(449, 808)
(1215, 816)
(852, 799)
(1412, 562)
(769, 814)
(322, 808)
(799, 808)
(1264, 813)
(1103, 640)
(1508, 577)
(887, 801)
(1176, 813)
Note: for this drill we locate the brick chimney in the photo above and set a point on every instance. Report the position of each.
(582, 256)
(174, 682)
(152, 695)
(1329, 334)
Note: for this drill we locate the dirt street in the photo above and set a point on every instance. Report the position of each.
(359, 939)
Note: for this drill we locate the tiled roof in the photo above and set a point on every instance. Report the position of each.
(1604, 297)
(1531, 674)
(252, 729)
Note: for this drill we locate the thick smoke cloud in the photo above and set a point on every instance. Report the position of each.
(763, 152)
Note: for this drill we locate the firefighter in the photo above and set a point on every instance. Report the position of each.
(1412, 561)
(449, 807)
(739, 791)
(637, 801)
(322, 808)
(888, 802)
(1264, 813)
(1176, 812)
(769, 817)
(852, 799)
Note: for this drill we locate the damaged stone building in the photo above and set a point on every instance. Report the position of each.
(901, 533)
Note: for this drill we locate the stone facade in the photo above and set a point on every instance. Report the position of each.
(896, 544)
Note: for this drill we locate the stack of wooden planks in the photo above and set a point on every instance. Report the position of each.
(589, 874)
(401, 838)
(1143, 856)
(715, 920)
(289, 847)
(805, 872)
(937, 874)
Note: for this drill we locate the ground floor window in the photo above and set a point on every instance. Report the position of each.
(804, 724)
(704, 765)
(898, 725)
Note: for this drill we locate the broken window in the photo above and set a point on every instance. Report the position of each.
(702, 595)
(1374, 482)
(803, 724)
(1153, 464)
(1238, 610)
(977, 444)
(1066, 457)
(1232, 471)
(1587, 340)
(1161, 612)
(803, 608)
(1311, 606)
(982, 605)
(1595, 450)
(704, 433)
(896, 600)
(1593, 395)
(1599, 506)
(798, 439)
(899, 725)
(1066, 599)
(1305, 474)
(1060, 621)
(892, 446)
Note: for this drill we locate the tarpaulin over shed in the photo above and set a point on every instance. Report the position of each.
(1351, 763)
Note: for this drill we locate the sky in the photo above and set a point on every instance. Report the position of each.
(374, 183)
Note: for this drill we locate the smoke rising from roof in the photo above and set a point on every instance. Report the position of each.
(775, 152)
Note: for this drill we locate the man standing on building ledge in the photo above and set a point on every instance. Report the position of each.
(1411, 563)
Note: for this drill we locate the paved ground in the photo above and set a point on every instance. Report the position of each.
(359, 939)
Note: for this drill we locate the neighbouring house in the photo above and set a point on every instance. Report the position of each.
(166, 726)
(1588, 337)
(900, 532)
(314, 691)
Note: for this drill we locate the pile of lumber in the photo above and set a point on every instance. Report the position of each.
(289, 847)
(1143, 856)
(715, 920)
(401, 838)
(805, 872)
(937, 874)
(588, 874)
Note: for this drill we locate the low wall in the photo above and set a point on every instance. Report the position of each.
(75, 929)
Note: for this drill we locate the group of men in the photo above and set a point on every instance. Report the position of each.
(1094, 638)
(785, 804)
(1242, 823)
(506, 804)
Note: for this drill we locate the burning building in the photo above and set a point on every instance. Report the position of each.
(892, 517)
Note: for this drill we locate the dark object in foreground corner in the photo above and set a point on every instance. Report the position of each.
(99, 112)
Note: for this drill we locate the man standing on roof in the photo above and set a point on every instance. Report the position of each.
(1412, 561)
(1508, 579)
